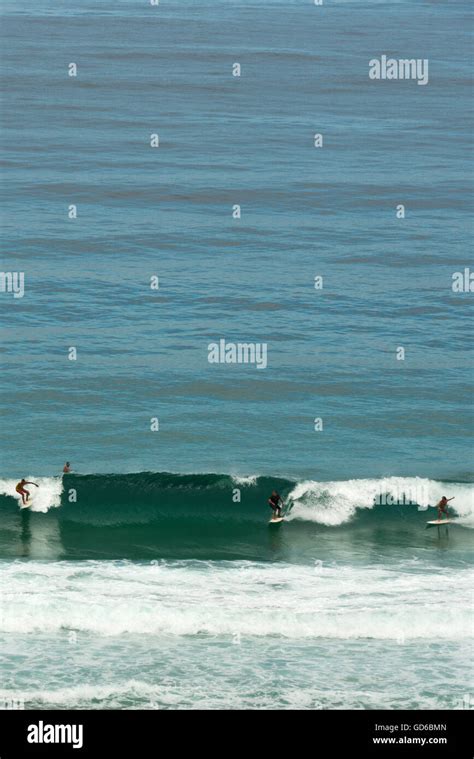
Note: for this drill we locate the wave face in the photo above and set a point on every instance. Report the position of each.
(208, 515)
(147, 497)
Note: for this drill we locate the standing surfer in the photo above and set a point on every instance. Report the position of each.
(276, 502)
(442, 507)
(20, 488)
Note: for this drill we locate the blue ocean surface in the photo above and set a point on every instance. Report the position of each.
(149, 577)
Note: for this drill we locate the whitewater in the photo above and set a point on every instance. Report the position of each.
(237, 634)
(183, 597)
(186, 598)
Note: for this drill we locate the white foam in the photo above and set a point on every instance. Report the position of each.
(237, 598)
(250, 480)
(215, 692)
(46, 496)
(333, 503)
(76, 696)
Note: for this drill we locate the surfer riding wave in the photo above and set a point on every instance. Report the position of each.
(20, 488)
(275, 502)
(442, 507)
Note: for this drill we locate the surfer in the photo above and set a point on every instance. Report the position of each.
(66, 468)
(276, 502)
(442, 507)
(20, 488)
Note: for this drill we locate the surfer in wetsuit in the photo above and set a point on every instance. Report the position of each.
(442, 507)
(276, 502)
(20, 488)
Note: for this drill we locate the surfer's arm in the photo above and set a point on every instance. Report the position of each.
(32, 483)
(451, 499)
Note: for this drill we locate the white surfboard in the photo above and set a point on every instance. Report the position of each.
(277, 520)
(27, 504)
(439, 522)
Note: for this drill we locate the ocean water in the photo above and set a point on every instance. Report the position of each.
(149, 577)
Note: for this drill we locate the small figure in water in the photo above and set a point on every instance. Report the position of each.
(66, 468)
(442, 507)
(276, 502)
(20, 488)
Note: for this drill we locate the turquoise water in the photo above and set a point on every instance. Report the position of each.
(149, 578)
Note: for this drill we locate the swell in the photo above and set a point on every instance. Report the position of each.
(159, 498)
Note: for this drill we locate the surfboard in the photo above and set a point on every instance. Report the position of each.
(439, 522)
(27, 504)
(277, 520)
